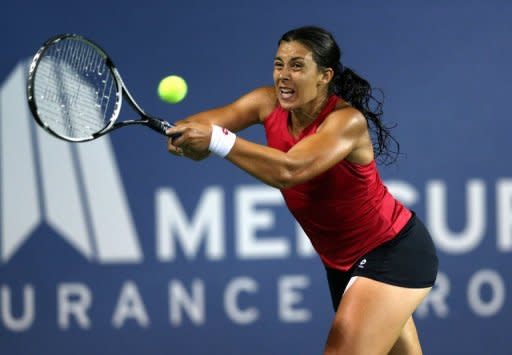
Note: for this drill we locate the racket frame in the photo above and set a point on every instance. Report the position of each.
(152, 122)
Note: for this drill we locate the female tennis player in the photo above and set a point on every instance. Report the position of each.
(319, 123)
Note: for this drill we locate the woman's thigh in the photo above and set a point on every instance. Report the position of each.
(371, 316)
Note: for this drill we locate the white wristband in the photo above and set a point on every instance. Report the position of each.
(221, 141)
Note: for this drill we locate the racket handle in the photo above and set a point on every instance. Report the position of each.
(160, 126)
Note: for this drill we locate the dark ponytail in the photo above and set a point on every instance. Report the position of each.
(359, 93)
(349, 86)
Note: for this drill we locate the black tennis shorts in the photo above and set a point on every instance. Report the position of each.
(408, 260)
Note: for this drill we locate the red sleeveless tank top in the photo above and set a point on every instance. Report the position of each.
(346, 211)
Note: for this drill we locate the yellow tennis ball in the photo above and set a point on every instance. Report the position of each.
(172, 89)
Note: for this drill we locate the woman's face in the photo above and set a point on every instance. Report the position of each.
(298, 81)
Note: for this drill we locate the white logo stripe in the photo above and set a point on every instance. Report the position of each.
(19, 208)
(111, 219)
(76, 189)
(61, 192)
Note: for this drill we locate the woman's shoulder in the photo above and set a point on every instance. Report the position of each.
(342, 116)
(266, 99)
(344, 109)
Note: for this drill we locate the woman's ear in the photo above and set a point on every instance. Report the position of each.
(326, 76)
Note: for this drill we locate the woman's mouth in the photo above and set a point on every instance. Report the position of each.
(286, 93)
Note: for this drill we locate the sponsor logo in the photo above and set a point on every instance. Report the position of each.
(362, 263)
(75, 189)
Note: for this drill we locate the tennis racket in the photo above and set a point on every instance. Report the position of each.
(75, 92)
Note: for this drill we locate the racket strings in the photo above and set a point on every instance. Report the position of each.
(75, 91)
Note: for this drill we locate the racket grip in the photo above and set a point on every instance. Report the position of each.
(161, 126)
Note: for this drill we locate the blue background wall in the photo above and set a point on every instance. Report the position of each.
(445, 70)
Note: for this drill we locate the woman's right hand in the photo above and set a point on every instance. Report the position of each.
(175, 145)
